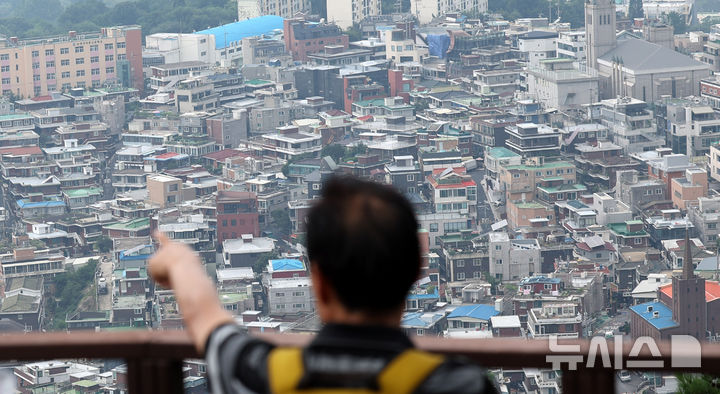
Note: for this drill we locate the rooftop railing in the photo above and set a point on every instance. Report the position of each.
(154, 358)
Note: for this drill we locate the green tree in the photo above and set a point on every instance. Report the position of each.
(677, 21)
(104, 244)
(635, 9)
(336, 151)
(262, 261)
(354, 33)
(697, 384)
(282, 222)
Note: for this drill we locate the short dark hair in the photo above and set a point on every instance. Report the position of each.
(363, 237)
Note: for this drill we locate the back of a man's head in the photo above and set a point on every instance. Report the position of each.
(363, 238)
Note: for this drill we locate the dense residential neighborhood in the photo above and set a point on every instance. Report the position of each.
(565, 178)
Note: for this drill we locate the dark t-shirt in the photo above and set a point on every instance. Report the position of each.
(339, 356)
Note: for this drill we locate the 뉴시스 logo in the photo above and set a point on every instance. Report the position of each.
(685, 353)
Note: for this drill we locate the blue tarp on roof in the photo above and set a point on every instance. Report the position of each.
(438, 44)
(663, 319)
(287, 265)
(39, 204)
(248, 28)
(480, 311)
(539, 279)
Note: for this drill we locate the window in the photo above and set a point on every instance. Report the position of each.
(35, 53)
(80, 60)
(80, 73)
(79, 49)
(36, 78)
(433, 227)
(110, 70)
(50, 64)
(49, 52)
(477, 275)
(65, 62)
(108, 46)
(476, 262)
(410, 177)
(547, 286)
(498, 247)
(137, 311)
(95, 59)
(65, 74)
(5, 57)
(35, 65)
(280, 306)
(5, 69)
(51, 76)
(64, 51)
(461, 276)
(498, 261)
(279, 294)
(93, 48)
(638, 241)
(298, 294)
(316, 186)
(460, 263)
(109, 58)
(6, 81)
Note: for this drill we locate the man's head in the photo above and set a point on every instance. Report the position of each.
(363, 246)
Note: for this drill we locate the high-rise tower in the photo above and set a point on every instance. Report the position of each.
(599, 29)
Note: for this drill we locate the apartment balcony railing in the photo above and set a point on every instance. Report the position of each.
(154, 358)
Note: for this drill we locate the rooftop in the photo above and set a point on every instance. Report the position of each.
(657, 313)
(479, 311)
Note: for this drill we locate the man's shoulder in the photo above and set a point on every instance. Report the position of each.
(457, 375)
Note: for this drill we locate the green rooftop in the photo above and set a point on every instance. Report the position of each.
(85, 383)
(19, 303)
(575, 187)
(232, 298)
(256, 82)
(131, 225)
(86, 192)
(622, 229)
(529, 205)
(17, 115)
(502, 152)
(546, 165)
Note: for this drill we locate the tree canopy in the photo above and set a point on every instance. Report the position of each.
(32, 18)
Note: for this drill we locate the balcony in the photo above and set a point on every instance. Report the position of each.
(154, 357)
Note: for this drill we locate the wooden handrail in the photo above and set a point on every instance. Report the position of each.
(154, 357)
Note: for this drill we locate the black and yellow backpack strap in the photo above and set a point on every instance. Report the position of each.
(406, 372)
(403, 375)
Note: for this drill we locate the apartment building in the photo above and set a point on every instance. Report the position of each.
(631, 124)
(30, 68)
(452, 190)
(705, 216)
(345, 13)
(693, 128)
(530, 139)
(303, 38)
(426, 10)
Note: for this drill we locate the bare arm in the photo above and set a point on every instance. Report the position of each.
(177, 267)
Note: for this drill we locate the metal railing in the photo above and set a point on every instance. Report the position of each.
(154, 358)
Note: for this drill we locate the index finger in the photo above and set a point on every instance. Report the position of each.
(161, 237)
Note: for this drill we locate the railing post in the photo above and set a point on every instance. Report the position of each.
(154, 375)
(588, 381)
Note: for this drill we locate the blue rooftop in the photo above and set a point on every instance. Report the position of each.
(415, 319)
(234, 32)
(25, 204)
(480, 311)
(287, 265)
(539, 279)
(662, 321)
(434, 294)
(135, 253)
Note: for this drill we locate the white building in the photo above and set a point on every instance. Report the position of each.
(345, 13)
(631, 124)
(178, 48)
(559, 83)
(248, 9)
(571, 45)
(399, 48)
(610, 209)
(290, 296)
(426, 10)
(513, 259)
(538, 45)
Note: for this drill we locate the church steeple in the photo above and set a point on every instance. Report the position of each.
(688, 261)
(599, 29)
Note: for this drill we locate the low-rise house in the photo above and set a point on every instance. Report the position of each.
(560, 319)
(630, 233)
(290, 296)
(506, 326)
(244, 252)
(471, 317)
(424, 323)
